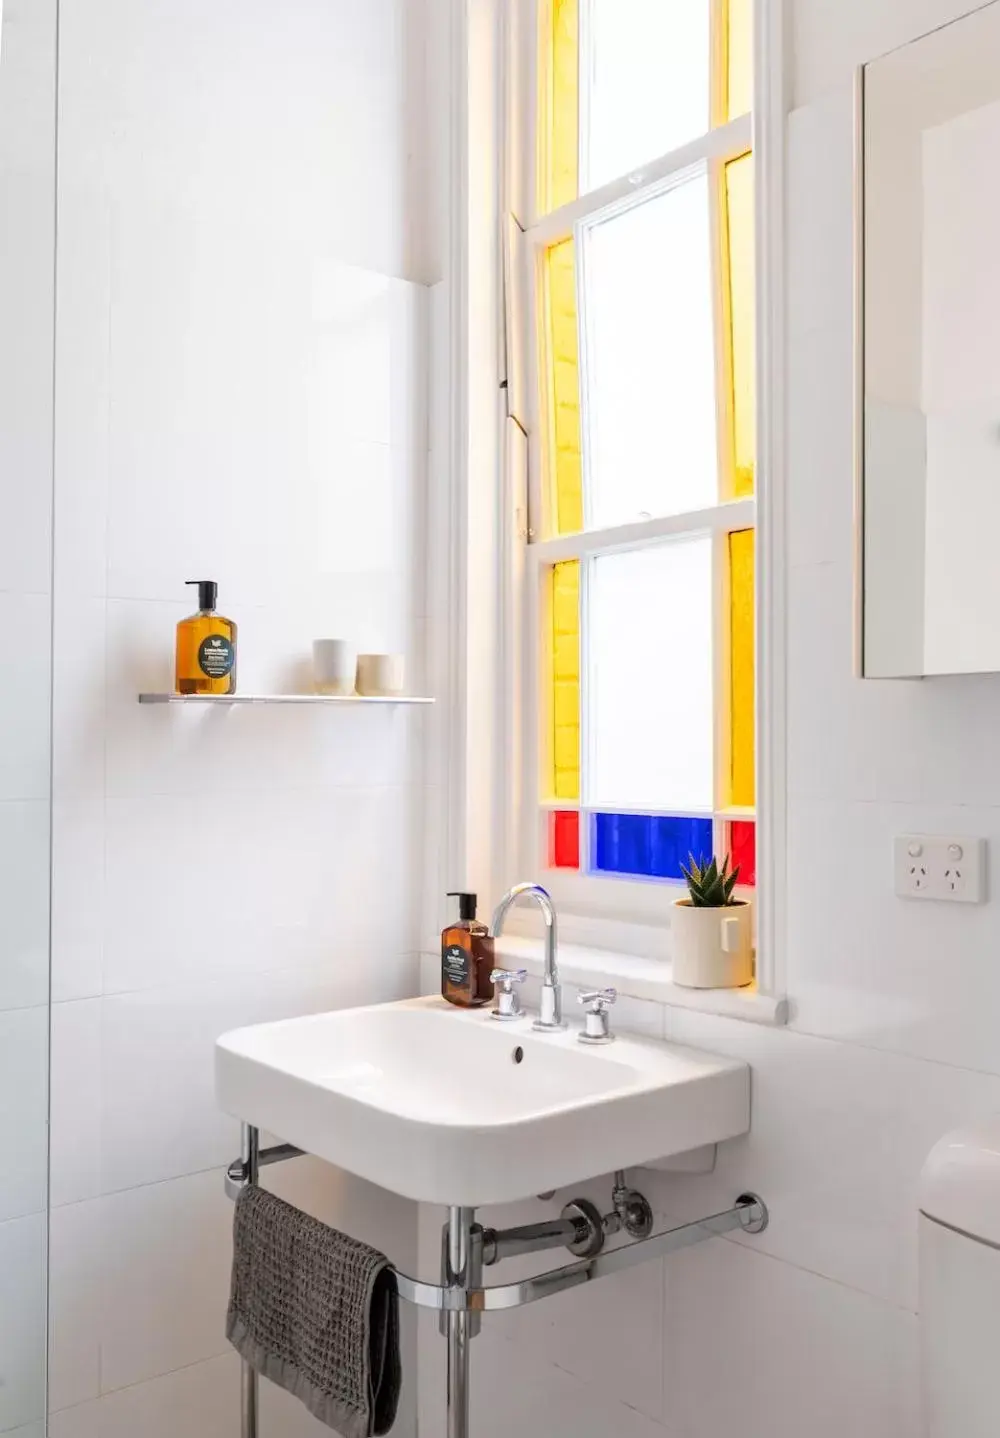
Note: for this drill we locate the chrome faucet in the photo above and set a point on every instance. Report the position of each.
(550, 1018)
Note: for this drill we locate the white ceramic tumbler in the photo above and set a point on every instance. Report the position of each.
(335, 666)
(381, 674)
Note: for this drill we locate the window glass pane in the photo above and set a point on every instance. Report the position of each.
(741, 598)
(740, 58)
(566, 680)
(743, 849)
(564, 840)
(740, 215)
(649, 678)
(564, 370)
(650, 367)
(646, 82)
(560, 116)
(647, 845)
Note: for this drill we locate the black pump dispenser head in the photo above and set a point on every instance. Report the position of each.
(208, 593)
(467, 904)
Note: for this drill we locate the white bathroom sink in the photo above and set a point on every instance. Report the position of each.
(450, 1107)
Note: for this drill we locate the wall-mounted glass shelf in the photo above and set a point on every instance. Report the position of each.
(229, 699)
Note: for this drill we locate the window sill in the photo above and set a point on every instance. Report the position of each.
(643, 978)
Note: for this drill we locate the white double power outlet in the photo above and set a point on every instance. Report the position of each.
(929, 866)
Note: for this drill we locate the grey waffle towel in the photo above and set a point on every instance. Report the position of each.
(317, 1313)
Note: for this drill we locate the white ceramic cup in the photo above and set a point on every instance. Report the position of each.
(335, 666)
(381, 674)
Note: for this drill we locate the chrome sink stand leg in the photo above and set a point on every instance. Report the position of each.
(459, 1258)
(249, 1382)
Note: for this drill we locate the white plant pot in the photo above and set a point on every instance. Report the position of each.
(713, 948)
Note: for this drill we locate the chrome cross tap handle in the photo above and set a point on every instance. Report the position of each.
(597, 1006)
(508, 1000)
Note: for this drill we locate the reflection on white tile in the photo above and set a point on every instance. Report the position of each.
(821, 222)
(166, 1260)
(75, 1148)
(77, 898)
(79, 663)
(81, 1422)
(220, 886)
(24, 904)
(369, 380)
(158, 1060)
(820, 459)
(359, 367)
(371, 1214)
(758, 1347)
(890, 974)
(839, 727)
(24, 1054)
(202, 1401)
(27, 249)
(831, 41)
(24, 707)
(22, 1321)
(839, 1136)
(517, 1391)
(75, 1261)
(855, 739)
(83, 353)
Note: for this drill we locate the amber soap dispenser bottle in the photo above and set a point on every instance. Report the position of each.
(206, 647)
(466, 958)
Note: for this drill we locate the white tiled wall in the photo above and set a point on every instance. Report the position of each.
(242, 361)
(810, 1328)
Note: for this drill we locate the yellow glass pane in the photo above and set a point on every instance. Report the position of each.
(741, 682)
(739, 46)
(566, 680)
(562, 103)
(740, 216)
(565, 447)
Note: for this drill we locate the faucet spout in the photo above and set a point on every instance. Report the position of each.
(550, 1018)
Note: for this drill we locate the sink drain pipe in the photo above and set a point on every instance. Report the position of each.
(460, 1299)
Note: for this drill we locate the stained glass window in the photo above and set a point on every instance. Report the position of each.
(739, 58)
(644, 542)
(740, 254)
(650, 675)
(650, 387)
(566, 680)
(743, 848)
(648, 846)
(566, 457)
(564, 839)
(742, 703)
(626, 81)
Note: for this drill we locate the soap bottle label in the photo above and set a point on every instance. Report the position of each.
(456, 965)
(215, 656)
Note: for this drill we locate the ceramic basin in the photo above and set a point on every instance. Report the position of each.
(450, 1107)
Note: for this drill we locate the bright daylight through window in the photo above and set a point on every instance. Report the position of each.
(643, 506)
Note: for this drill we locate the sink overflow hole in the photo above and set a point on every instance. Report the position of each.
(518, 1055)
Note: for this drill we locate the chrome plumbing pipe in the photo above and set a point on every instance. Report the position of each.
(459, 1257)
(249, 1382)
(499, 1244)
(460, 1298)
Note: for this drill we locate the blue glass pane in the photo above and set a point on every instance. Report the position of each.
(646, 845)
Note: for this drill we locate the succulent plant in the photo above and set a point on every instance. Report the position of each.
(709, 886)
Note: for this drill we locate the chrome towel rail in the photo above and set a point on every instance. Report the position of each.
(458, 1298)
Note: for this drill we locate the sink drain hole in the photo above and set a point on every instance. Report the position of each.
(518, 1055)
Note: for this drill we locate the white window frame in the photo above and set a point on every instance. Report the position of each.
(598, 910)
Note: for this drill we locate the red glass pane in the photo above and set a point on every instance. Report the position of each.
(743, 847)
(566, 840)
